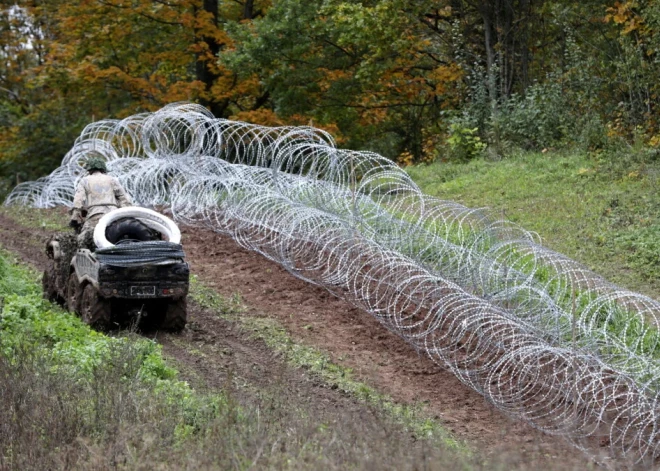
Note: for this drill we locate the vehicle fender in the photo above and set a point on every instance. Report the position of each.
(85, 268)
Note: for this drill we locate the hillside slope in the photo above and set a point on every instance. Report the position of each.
(602, 213)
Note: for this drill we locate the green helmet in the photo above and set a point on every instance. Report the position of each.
(96, 163)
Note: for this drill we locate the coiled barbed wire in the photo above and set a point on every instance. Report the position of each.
(539, 335)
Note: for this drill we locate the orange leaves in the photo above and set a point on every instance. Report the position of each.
(330, 77)
(261, 116)
(228, 87)
(154, 51)
(204, 24)
(623, 13)
(620, 12)
(444, 77)
(372, 116)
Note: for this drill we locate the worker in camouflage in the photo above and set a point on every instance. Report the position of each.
(96, 195)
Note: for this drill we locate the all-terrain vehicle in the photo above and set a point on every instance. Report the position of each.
(129, 274)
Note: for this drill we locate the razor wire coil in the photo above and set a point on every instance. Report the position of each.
(539, 335)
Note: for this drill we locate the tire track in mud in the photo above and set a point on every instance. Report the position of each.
(213, 352)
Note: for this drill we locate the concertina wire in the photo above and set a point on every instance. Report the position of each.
(540, 336)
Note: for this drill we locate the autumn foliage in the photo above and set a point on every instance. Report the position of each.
(397, 77)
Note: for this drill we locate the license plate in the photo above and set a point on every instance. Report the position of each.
(143, 290)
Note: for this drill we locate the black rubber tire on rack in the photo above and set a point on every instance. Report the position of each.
(48, 285)
(95, 310)
(73, 294)
(167, 229)
(129, 228)
(176, 316)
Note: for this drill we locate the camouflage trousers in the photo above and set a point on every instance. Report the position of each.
(86, 236)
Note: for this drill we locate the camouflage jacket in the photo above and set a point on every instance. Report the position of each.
(98, 193)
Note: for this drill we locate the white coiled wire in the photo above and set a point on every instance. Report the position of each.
(539, 335)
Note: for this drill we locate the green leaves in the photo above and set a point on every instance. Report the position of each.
(30, 324)
(362, 66)
(464, 143)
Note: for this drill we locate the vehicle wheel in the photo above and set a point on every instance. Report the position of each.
(176, 316)
(48, 285)
(95, 310)
(73, 294)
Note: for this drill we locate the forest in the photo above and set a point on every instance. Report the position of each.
(416, 80)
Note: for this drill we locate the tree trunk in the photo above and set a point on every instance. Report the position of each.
(526, 7)
(487, 16)
(248, 10)
(202, 70)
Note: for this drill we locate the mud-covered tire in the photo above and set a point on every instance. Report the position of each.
(73, 294)
(176, 316)
(95, 310)
(48, 285)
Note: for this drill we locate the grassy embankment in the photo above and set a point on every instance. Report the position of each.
(603, 214)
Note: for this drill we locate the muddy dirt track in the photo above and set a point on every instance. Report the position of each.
(211, 347)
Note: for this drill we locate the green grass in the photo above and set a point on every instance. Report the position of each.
(604, 215)
(30, 324)
(601, 214)
(84, 382)
(38, 218)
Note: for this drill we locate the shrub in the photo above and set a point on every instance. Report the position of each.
(536, 120)
(464, 142)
